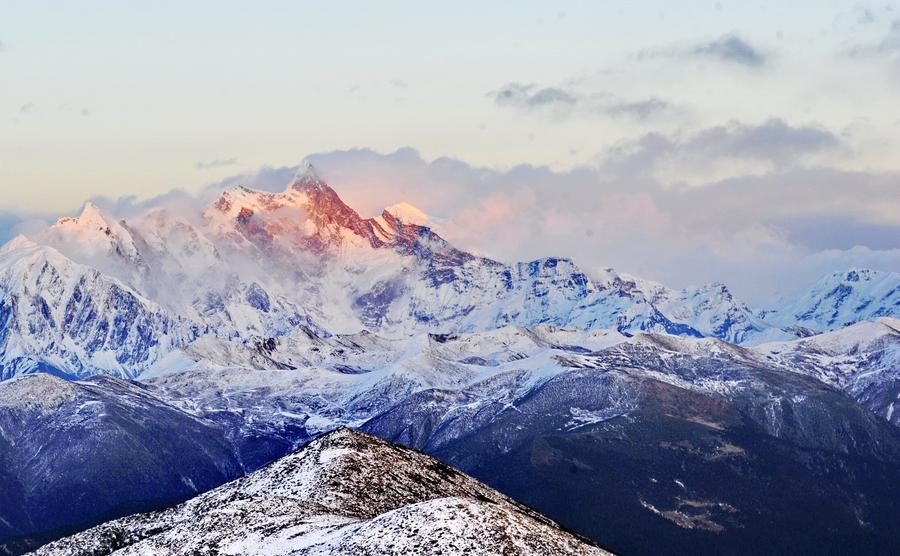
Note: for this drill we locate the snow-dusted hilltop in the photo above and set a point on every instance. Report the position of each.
(96, 294)
(345, 493)
(863, 359)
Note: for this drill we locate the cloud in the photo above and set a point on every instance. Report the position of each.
(722, 151)
(27, 108)
(891, 42)
(577, 103)
(774, 140)
(530, 96)
(641, 109)
(793, 221)
(730, 48)
(13, 224)
(888, 46)
(217, 163)
(775, 227)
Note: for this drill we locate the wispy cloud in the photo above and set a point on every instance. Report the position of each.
(729, 49)
(27, 108)
(571, 102)
(640, 109)
(217, 163)
(888, 46)
(531, 96)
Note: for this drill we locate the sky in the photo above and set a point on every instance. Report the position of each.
(749, 142)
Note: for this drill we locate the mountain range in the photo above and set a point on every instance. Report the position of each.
(150, 359)
(97, 295)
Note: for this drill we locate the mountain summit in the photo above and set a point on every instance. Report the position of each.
(345, 493)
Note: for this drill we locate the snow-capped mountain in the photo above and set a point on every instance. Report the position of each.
(63, 317)
(345, 493)
(100, 295)
(840, 299)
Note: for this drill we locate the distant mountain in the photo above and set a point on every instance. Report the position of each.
(346, 493)
(99, 295)
(838, 300)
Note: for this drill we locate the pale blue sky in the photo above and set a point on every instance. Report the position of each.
(109, 97)
(651, 98)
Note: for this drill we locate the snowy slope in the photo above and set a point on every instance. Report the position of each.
(345, 493)
(63, 317)
(73, 453)
(863, 359)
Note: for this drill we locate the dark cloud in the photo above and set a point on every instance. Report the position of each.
(730, 48)
(530, 96)
(865, 16)
(572, 103)
(888, 46)
(641, 109)
(774, 142)
(218, 163)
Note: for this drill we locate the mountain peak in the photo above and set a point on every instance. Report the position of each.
(91, 217)
(353, 494)
(408, 214)
(307, 178)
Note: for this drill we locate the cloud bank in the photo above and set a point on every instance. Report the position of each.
(771, 215)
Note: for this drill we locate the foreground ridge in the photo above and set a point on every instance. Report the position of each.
(344, 493)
